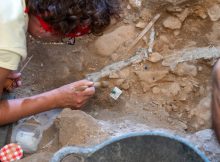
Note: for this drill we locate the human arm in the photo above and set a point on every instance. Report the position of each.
(215, 104)
(13, 110)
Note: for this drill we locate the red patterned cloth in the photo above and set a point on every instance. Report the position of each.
(11, 152)
(79, 31)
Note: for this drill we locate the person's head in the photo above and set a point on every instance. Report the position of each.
(65, 16)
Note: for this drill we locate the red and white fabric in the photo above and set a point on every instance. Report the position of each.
(11, 152)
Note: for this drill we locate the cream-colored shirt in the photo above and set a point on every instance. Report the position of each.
(13, 27)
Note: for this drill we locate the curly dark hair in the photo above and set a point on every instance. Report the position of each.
(66, 15)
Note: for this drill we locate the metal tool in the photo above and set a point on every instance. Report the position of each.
(10, 82)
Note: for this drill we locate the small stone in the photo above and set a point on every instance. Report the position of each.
(201, 114)
(141, 25)
(200, 12)
(156, 90)
(114, 56)
(172, 89)
(185, 69)
(125, 85)
(119, 82)
(214, 12)
(164, 39)
(155, 57)
(135, 3)
(125, 73)
(174, 9)
(176, 32)
(151, 76)
(200, 68)
(183, 15)
(128, 7)
(114, 76)
(172, 23)
(145, 14)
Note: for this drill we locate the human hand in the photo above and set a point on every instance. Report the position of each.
(13, 81)
(68, 96)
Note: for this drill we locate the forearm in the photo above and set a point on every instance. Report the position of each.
(215, 105)
(13, 110)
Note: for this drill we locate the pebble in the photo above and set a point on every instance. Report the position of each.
(145, 14)
(183, 15)
(114, 76)
(185, 69)
(140, 25)
(214, 12)
(172, 23)
(156, 90)
(135, 3)
(176, 32)
(155, 57)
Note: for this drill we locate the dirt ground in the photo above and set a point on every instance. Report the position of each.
(154, 96)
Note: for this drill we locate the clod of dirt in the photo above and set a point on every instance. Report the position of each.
(172, 23)
(38, 157)
(201, 114)
(78, 128)
(108, 43)
(185, 69)
(155, 57)
(214, 12)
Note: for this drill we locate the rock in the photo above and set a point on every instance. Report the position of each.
(151, 76)
(114, 76)
(125, 85)
(135, 3)
(78, 128)
(108, 43)
(200, 11)
(38, 157)
(156, 90)
(155, 57)
(201, 114)
(172, 89)
(140, 25)
(119, 82)
(206, 141)
(172, 23)
(124, 73)
(185, 69)
(174, 9)
(145, 14)
(176, 32)
(214, 12)
(183, 15)
(128, 7)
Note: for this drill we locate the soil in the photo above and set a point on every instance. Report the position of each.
(154, 96)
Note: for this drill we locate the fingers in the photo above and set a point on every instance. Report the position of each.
(14, 75)
(83, 83)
